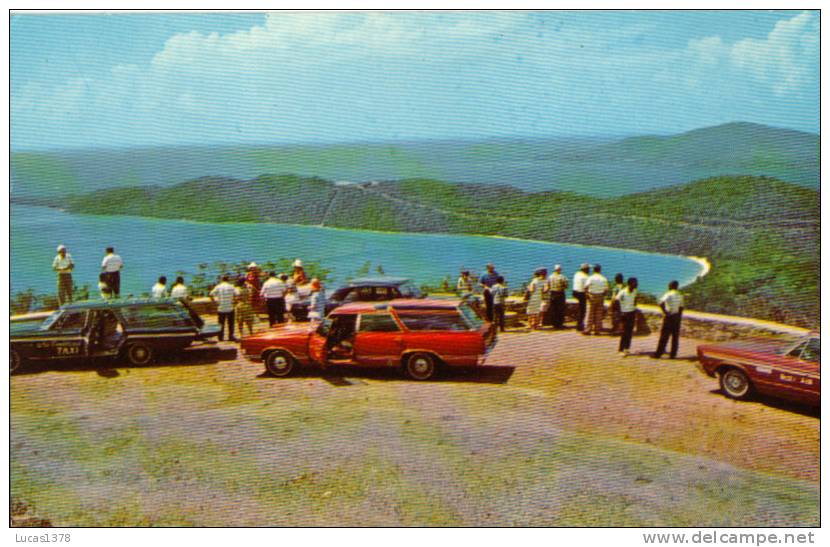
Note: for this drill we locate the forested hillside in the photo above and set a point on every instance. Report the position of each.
(761, 234)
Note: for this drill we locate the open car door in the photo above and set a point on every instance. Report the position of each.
(106, 333)
(317, 348)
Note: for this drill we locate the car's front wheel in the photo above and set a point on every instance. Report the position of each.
(735, 384)
(280, 363)
(15, 361)
(419, 366)
(139, 354)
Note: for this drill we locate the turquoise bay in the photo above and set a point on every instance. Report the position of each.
(154, 247)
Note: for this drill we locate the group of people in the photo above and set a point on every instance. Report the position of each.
(109, 280)
(547, 303)
(238, 300)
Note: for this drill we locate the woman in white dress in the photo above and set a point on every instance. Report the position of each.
(534, 298)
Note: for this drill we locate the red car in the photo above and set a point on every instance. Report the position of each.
(791, 370)
(416, 335)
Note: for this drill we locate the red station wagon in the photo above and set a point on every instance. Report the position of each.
(791, 370)
(416, 335)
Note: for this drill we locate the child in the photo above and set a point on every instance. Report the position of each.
(317, 307)
(103, 287)
(499, 293)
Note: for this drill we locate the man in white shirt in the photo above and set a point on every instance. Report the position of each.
(273, 291)
(159, 290)
(596, 287)
(64, 265)
(627, 300)
(580, 278)
(672, 305)
(111, 266)
(225, 295)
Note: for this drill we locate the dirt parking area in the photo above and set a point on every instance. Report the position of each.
(556, 430)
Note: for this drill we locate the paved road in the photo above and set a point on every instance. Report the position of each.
(556, 429)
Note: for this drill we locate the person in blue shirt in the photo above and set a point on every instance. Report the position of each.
(317, 306)
(486, 281)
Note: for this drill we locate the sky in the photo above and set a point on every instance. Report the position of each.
(99, 80)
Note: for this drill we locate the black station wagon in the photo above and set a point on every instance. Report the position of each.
(136, 330)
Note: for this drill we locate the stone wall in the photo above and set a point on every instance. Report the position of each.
(703, 326)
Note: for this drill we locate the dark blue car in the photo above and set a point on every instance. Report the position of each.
(364, 289)
(136, 330)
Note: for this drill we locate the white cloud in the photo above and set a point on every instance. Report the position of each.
(787, 58)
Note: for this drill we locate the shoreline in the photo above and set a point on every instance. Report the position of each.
(702, 262)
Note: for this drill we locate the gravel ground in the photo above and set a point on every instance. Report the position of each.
(556, 430)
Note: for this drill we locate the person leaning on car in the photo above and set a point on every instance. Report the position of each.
(672, 305)
(273, 291)
(486, 281)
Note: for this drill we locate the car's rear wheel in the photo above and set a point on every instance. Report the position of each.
(280, 363)
(139, 353)
(419, 366)
(735, 384)
(15, 361)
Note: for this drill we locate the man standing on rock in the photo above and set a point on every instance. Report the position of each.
(111, 267)
(486, 281)
(557, 284)
(580, 278)
(63, 265)
(672, 305)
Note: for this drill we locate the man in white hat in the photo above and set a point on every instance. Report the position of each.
(63, 265)
(299, 277)
(557, 284)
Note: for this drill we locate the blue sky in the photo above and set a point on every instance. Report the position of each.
(82, 80)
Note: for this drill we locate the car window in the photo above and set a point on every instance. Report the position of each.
(812, 350)
(70, 320)
(384, 293)
(360, 294)
(378, 322)
(155, 317)
(442, 320)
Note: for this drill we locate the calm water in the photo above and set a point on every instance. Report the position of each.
(152, 247)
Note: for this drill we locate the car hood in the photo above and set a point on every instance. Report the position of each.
(766, 347)
(282, 331)
(26, 328)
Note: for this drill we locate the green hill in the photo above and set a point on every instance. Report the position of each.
(761, 234)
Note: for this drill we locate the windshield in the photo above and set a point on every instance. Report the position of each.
(409, 290)
(49, 321)
(471, 316)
